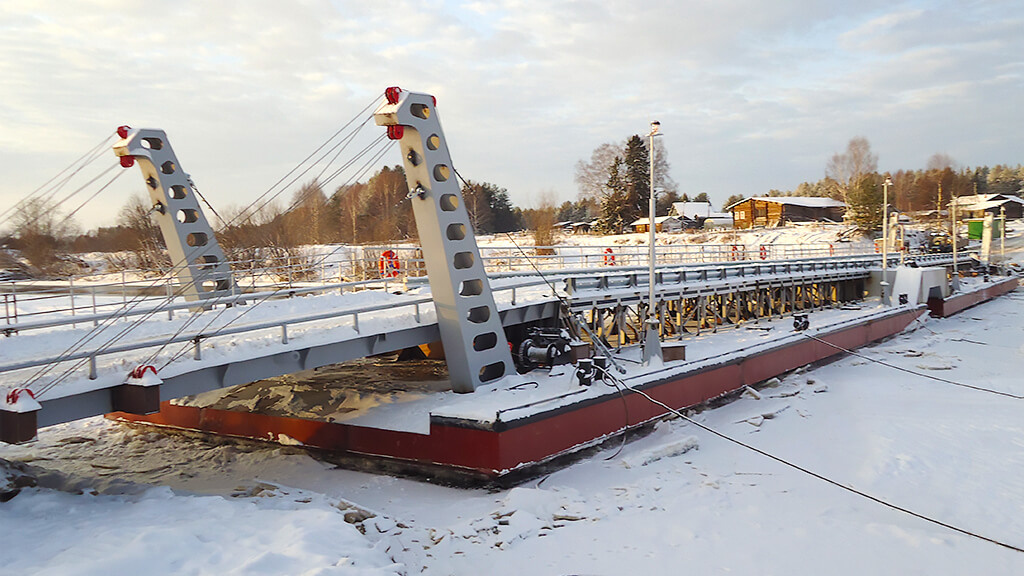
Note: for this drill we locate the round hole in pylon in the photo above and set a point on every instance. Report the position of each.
(479, 315)
(420, 111)
(492, 371)
(473, 287)
(207, 262)
(433, 142)
(441, 173)
(196, 239)
(463, 260)
(168, 167)
(449, 202)
(178, 192)
(187, 215)
(456, 231)
(485, 341)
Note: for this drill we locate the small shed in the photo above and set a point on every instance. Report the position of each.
(661, 224)
(583, 227)
(778, 210)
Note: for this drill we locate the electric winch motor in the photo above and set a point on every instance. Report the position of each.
(543, 347)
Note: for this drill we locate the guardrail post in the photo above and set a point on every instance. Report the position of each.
(124, 294)
(513, 295)
(417, 307)
(355, 321)
(196, 351)
(95, 322)
(92, 367)
(284, 333)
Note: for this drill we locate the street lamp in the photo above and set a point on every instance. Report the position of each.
(652, 337)
(885, 241)
(885, 223)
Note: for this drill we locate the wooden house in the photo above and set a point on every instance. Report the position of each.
(778, 210)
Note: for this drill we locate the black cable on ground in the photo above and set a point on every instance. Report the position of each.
(908, 371)
(813, 474)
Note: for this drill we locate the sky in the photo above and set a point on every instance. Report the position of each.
(751, 95)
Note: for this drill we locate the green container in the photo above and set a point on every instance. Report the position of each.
(975, 226)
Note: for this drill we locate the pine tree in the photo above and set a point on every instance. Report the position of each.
(615, 207)
(636, 179)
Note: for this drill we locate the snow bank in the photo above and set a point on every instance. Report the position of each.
(160, 532)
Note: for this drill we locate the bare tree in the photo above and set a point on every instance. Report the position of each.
(848, 168)
(663, 182)
(542, 224)
(940, 161)
(144, 239)
(42, 235)
(592, 177)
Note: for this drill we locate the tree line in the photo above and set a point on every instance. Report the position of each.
(375, 211)
(852, 176)
(613, 189)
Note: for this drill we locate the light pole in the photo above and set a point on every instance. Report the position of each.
(952, 232)
(652, 337)
(1002, 235)
(886, 300)
(885, 223)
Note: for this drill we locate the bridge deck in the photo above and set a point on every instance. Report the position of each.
(228, 346)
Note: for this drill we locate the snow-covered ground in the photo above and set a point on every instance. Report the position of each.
(676, 500)
(117, 500)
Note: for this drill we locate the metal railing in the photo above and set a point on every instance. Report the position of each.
(359, 267)
(330, 266)
(196, 337)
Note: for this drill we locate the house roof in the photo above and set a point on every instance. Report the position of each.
(689, 209)
(992, 203)
(657, 220)
(805, 201)
(976, 199)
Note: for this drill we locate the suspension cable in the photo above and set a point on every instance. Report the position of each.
(39, 190)
(98, 329)
(184, 349)
(375, 100)
(167, 301)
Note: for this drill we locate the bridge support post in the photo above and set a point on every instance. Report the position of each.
(196, 257)
(475, 346)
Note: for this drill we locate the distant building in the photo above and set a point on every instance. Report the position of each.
(661, 224)
(778, 210)
(691, 210)
(977, 205)
(584, 227)
(700, 215)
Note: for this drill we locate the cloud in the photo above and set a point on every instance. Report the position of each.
(751, 95)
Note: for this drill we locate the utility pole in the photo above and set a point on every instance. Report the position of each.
(652, 337)
(1002, 234)
(886, 299)
(952, 215)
